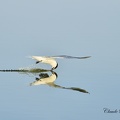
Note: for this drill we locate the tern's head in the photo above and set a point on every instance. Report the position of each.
(55, 66)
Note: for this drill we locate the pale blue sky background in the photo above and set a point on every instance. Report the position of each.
(54, 27)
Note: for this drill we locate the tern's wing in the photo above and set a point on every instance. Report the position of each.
(69, 88)
(77, 89)
(70, 57)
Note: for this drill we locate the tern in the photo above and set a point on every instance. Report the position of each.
(49, 80)
(45, 79)
(51, 59)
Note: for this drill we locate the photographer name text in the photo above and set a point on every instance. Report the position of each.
(107, 110)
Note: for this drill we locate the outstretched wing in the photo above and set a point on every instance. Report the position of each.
(77, 89)
(68, 88)
(70, 57)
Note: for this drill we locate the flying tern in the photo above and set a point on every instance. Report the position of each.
(51, 59)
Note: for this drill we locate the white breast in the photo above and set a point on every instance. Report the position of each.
(47, 80)
(47, 60)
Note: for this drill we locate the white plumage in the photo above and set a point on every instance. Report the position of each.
(51, 59)
(45, 80)
(47, 60)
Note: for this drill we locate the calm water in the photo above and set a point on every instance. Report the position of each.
(77, 28)
(19, 100)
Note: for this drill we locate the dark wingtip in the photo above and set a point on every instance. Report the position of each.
(37, 62)
(89, 56)
(86, 57)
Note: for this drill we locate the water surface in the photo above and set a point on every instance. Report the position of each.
(48, 28)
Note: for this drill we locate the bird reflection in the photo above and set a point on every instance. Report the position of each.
(46, 79)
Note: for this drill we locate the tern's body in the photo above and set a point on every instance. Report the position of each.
(47, 60)
(45, 80)
(51, 59)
